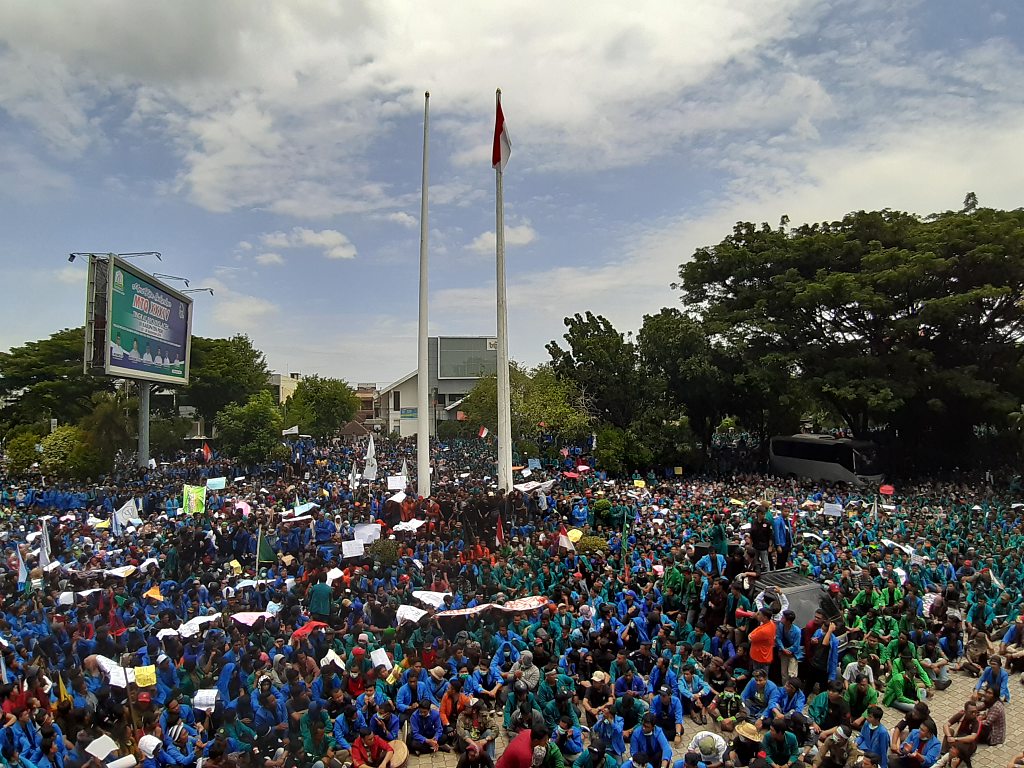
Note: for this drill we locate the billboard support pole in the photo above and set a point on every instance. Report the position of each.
(145, 388)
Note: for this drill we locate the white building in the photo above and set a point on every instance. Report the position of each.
(455, 364)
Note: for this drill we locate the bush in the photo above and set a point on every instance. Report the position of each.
(21, 452)
(384, 551)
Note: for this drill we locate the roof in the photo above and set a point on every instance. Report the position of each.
(398, 383)
(354, 429)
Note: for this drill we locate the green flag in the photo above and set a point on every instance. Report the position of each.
(193, 500)
(264, 552)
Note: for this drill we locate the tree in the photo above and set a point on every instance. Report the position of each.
(603, 365)
(67, 453)
(320, 406)
(44, 379)
(21, 452)
(888, 320)
(250, 432)
(166, 436)
(539, 397)
(223, 371)
(108, 427)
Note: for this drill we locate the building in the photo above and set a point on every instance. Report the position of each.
(455, 364)
(283, 386)
(369, 408)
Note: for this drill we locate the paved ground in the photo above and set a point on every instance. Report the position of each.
(943, 704)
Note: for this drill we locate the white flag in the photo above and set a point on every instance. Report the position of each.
(128, 513)
(290, 431)
(22, 569)
(405, 468)
(44, 547)
(353, 479)
(370, 470)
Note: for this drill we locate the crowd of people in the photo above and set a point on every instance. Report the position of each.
(585, 621)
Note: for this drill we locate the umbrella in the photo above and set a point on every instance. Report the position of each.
(575, 535)
(244, 506)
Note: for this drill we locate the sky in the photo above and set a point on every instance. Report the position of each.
(272, 151)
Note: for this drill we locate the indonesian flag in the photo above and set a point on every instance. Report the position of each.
(484, 431)
(207, 453)
(563, 540)
(499, 535)
(502, 143)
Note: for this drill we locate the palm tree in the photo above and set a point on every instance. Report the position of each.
(107, 425)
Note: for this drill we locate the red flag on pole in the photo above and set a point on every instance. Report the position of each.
(564, 541)
(502, 143)
(483, 432)
(207, 453)
(499, 535)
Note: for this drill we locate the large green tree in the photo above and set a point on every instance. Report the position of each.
(604, 366)
(250, 432)
(889, 320)
(320, 406)
(223, 371)
(44, 379)
(109, 426)
(542, 403)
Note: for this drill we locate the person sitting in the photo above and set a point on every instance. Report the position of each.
(648, 745)
(371, 751)
(921, 748)
(780, 746)
(874, 737)
(426, 731)
(760, 696)
(996, 678)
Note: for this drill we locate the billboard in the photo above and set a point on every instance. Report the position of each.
(146, 328)
(466, 357)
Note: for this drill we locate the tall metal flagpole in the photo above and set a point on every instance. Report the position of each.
(504, 390)
(422, 374)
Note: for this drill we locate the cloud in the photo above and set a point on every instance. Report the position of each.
(404, 219)
(330, 242)
(70, 275)
(268, 259)
(485, 243)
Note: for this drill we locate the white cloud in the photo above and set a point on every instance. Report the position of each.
(485, 243)
(70, 275)
(404, 219)
(330, 242)
(268, 259)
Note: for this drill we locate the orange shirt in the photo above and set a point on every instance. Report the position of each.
(762, 643)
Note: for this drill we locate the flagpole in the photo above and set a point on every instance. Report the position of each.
(504, 390)
(422, 375)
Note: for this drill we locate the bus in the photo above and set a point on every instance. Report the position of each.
(825, 457)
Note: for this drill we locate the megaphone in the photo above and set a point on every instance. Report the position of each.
(745, 614)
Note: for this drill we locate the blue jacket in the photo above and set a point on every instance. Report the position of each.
(1002, 684)
(425, 727)
(771, 692)
(611, 732)
(929, 750)
(673, 709)
(875, 740)
(781, 532)
(790, 640)
(650, 744)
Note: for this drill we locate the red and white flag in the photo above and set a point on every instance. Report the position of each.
(502, 143)
(207, 453)
(484, 431)
(499, 535)
(563, 540)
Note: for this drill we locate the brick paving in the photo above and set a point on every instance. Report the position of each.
(943, 704)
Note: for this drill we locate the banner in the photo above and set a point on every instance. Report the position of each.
(217, 483)
(150, 334)
(193, 499)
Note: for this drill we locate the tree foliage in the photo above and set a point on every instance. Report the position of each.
(166, 436)
(888, 320)
(21, 452)
(250, 432)
(45, 379)
(542, 403)
(320, 406)
(67, 453)
(222, 372)
(109, 426)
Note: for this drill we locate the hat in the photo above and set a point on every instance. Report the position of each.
(148, 745)
(175, 731)
(145, 697)
(363, 638)
(437, 673)
(597, 677)
(162, 658)
(748, 731)
(833, 588)
(358, 651)
(707, 745)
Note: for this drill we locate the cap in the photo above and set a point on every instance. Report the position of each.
(707, 745)
(145, 697)
(162, 658)
(833, 588)
(597, 677)
(363, 638)
(148, 745)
